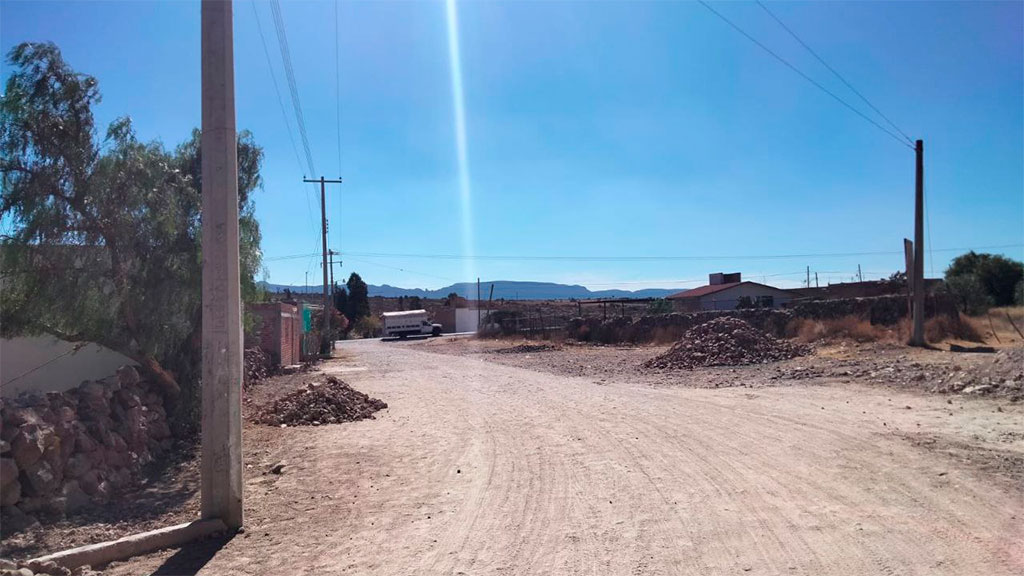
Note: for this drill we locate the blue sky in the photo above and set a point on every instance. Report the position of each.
(606, 129)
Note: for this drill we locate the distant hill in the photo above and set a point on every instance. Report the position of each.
(507, 289)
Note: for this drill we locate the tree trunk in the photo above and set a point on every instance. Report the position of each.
(161, 376)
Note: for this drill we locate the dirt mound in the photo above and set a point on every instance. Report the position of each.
(329, 402)
(527, 349)
(725, 342)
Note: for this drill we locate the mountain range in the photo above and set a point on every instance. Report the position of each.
(507, 289)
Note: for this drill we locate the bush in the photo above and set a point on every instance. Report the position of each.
(970, 294)
(367, 327)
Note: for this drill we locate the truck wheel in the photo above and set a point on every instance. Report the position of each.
(402, 336)
(436, 332)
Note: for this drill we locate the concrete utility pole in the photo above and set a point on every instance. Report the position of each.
(860, 277)
(917, 339)
(324, 345)
(221, 469)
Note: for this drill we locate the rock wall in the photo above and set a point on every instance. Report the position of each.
(883, 310)
(65, 450)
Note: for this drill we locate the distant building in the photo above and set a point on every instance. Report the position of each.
(728, 292)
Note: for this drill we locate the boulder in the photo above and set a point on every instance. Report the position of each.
(10, 494)
(75, 498)
(8, 472)
(5, 446)
(78, 464)
(127, 376)
(16, 520)
(40, 479)
(90, 482)
(29, 444)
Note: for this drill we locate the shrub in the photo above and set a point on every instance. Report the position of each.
(970, 293)
(367, 327)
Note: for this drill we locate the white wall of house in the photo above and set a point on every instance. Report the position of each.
(466, 319)
(46, 364)
(727, 299)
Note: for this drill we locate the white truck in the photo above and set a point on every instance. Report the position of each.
(408, 322)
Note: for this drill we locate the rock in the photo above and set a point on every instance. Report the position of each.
(78, 464)
(40, 479)
(90, 482)
(979, 389)
(7, 564)
(277, 468)
(49, 568)
(10, 494)
(16, 520)
(8, 472)
(29, 444)
(75, 497)
(127, 376)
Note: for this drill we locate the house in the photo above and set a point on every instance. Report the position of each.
(728, 292)
(280, 331)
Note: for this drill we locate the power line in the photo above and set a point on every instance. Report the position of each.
(833, 70)
(289, 71)
(280, 103)
(803, 75)
(633, 258)
(337, 81)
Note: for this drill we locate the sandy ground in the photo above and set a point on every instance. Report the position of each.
(483, 468)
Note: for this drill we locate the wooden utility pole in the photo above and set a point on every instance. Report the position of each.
(221, 467)
(860, 277)
(917, 338)
(808, 276)
(815, 279)
(325, 347)
(478, 304)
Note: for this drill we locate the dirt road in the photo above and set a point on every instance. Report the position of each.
(480, 468)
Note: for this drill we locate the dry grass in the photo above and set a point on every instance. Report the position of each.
(944, 327)
(845, 328)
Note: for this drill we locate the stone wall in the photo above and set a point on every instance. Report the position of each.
(883, 310)
(62, 451)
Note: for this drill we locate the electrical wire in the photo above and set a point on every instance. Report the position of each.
(280, 103)
(289, 71)
(629, 258)
(833, 70)
(803, 75)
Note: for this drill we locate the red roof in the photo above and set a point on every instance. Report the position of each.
(703, 290)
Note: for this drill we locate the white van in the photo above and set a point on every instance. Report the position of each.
(408, 322)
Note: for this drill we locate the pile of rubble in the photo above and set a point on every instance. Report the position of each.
(527, 349)
(47, 568)
(319, 403)
(64, 450)
(257, 364)
(725, 341)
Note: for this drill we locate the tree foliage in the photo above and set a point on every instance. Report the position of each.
(358, 305)
(997, 275)
(104, 239)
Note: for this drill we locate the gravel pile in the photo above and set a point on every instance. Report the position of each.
(724, 342)
(527, 349)
(319, 403)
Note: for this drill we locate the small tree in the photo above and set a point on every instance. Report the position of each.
(997, 274)
(104, 241)
(414, 303)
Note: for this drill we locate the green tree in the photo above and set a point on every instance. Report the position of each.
(414, 303)
(970, 293)
(104, 240)
(358, 299)
(997, 274)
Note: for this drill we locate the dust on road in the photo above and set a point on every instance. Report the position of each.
(482, 468)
